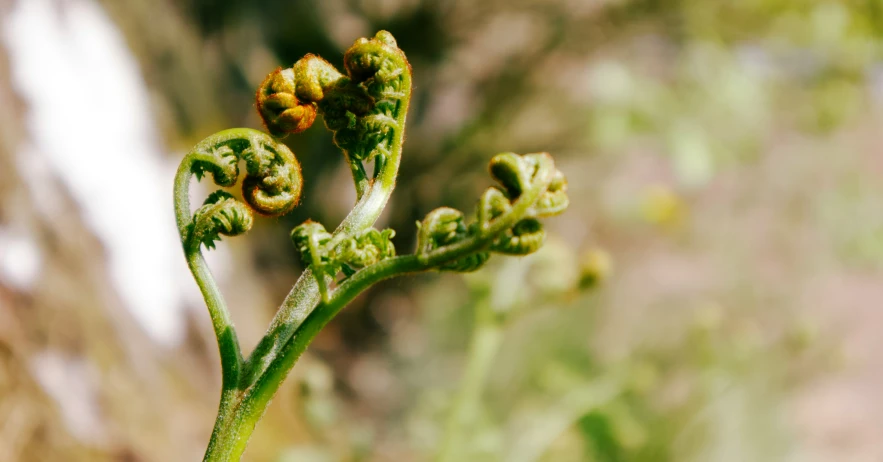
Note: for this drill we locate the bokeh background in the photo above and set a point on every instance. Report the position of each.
(714, 292)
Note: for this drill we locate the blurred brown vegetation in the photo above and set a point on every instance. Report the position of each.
(726, 224)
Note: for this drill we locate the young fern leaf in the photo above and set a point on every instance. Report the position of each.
(444, 226)
(365, 108)
(219, 214)
(272, 186)
(501, 227)
(330, 255)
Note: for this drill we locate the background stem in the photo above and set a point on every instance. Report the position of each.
(487, 337)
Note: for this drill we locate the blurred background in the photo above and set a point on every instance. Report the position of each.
(714, 292)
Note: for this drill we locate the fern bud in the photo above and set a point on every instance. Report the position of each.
(308, 238)
(221, 214)
(367, 248)
(376, 58)
(313, 77)
(273, 184)
(441, 226)
(554, 199)
(280, 109)
(516, 173)
(526, 237)
(492, 204)
(444, 226)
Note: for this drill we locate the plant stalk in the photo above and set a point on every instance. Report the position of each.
(487, 337)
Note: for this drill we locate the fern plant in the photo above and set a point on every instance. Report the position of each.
(366, 109)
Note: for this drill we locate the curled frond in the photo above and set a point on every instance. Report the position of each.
(380, 69)
(310, 239)
(445, 226)
(366, 248)
(378, 60)
(272, 184)
(279, 106)
(512, 172)
(314, 77)
(506, 216)
(441, 226)
(319, 247)
(492, 204)
(516, 173)
(221, 161)
(554, 199)
(365, 107)
(220, 214)
(329, 255)
(526, 237)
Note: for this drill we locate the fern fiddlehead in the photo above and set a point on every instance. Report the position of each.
(365, 108)
(272, 187)
(330, 255)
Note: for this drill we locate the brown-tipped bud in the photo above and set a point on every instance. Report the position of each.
(313, 77)
(279, 108)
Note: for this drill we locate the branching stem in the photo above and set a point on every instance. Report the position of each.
(366, 109)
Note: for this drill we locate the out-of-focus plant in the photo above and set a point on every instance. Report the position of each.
(493, 313)
(366, 110)
(529, 393)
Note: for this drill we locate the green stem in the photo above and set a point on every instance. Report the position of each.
(305, 296)
(275, 354)
(486, 340)
(258, 395)
(360, 178)
(298, 322)
(228, 343)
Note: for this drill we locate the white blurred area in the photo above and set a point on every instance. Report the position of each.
(89, 120)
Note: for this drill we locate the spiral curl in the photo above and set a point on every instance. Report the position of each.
(271, 187)
(220, 214)
(515, 174)
(445, 226)
(310, 239)
(366, 248)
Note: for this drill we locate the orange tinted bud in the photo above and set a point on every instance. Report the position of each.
(279, 108)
